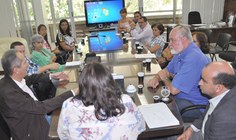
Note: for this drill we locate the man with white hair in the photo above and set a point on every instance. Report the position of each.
(185, 69)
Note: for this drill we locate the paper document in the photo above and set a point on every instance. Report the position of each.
(148, 55)
(158, 115)
(73, 63)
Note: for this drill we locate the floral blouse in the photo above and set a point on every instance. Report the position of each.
(77, 122)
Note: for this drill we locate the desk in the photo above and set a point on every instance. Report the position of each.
(216, 31)
(129, 70)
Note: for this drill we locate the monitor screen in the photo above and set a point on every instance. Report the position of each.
(104, 41)
(102, 11)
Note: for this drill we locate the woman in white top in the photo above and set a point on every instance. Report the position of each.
(99, 111)
(124, 22)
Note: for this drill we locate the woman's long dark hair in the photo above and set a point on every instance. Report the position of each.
(46, 36)
(97, 87)
(67, 30)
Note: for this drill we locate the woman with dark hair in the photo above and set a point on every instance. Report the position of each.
(99, 111)
(65, 42)
(42, 30)
(200, 39)
(124, 22)
(157, 43)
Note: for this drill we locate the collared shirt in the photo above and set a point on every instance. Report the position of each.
(187, 68)
(33, 67)
(143, 35)
(25, 88)
(213, 103)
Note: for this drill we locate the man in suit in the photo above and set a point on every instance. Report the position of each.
(219, 122)
(24, 115)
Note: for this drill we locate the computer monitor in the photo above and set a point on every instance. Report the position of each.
(102, 12)
(104, 42)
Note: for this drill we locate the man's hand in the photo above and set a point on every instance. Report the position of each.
(154, 82)
(60, 76)
(186, 135)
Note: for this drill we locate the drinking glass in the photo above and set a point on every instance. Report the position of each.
(165, 93)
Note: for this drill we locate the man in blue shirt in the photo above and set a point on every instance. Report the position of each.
(185, 68)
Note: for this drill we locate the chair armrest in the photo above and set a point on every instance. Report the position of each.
(192, 107)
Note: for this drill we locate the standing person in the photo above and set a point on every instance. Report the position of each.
(185, 68)
(157, 43)
(42, 56)
(137, 16)
(124, 22)
(219, 122)
(65, 42)
(100, 110)
(24, 115)
(42, 30)
(144, 34)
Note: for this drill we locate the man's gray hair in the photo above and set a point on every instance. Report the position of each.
(10, 61)
(185, 31)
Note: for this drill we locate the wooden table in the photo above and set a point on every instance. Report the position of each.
(130, 73)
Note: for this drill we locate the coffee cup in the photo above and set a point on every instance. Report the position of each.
(148, 67)
(124, 40)
(144, 63)
(139, 49)
(140, 89)
(156, 99)
(136, 45)
(123, 33)
(140, 78)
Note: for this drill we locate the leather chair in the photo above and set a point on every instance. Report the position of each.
(222, 44)
(229, 55)
(194, 17)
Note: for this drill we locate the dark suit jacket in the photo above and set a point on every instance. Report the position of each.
(24, 116)
(221, 124)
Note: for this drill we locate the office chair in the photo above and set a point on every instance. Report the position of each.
(222, 44)
(229, 55)
(194, 17)
(188, 108)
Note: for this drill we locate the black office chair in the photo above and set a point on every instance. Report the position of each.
(222, 44)
(188, 108)
(229, 55)
(194, 17)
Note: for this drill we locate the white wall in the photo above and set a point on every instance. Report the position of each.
(210, 10)
(7, 27)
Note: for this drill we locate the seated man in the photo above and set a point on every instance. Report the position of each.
(219, 122)
(44, 90)
(144, 34)
(185, 68)
(24, 115)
